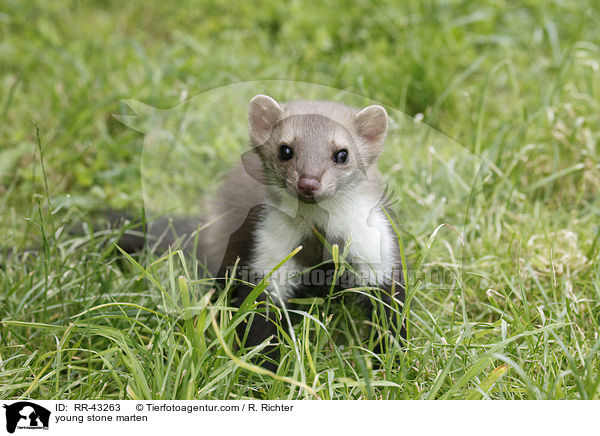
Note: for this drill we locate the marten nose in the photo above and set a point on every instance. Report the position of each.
(308, 185)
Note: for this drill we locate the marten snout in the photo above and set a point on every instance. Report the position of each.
(308, 186)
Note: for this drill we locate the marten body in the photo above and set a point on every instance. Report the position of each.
(311, 171)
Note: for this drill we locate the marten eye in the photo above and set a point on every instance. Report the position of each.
(285, 152)
(340, 157)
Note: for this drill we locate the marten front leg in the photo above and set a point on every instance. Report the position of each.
(258, 328)
(388, 304)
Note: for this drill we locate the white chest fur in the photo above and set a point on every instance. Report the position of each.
(359, 219)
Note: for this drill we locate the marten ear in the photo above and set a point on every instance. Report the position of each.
(263, 113)
(371, 124)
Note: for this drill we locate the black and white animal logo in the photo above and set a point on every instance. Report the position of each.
(26, 415)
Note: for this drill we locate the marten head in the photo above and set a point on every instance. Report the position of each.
(313, 149)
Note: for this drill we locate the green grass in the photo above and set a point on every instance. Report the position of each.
(518, 315)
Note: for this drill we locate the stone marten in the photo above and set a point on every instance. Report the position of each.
(310, 175)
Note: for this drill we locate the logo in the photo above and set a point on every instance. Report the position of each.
(26, 415)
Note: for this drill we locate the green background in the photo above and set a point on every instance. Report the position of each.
(514, 82)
